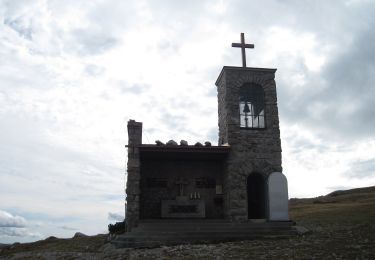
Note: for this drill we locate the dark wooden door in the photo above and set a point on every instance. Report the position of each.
(256, 196)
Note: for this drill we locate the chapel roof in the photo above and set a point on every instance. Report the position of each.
(153, 151)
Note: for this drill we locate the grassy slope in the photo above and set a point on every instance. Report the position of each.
(78, 244)
(343, 225)
(343, 207)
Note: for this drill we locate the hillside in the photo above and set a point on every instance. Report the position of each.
(342, 226)
(353, 206)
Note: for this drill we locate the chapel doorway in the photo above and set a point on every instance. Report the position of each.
(256, 196)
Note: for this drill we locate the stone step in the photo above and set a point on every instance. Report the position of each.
(149, 241)
(211, 226)
(210, 223)
(203, 235)
(205, 229)
(196, 220)
(158, 241)
(156, 233)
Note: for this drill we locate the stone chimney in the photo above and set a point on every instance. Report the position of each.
(133, 179)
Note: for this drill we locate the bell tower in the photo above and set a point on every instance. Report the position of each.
(249, 124)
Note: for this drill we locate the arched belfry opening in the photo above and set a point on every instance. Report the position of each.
(256, 196)
(252, 106)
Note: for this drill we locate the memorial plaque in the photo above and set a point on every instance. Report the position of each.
(183, 209)
(278, 197)
(205, 183)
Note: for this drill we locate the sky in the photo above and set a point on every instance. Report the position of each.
(73, 72)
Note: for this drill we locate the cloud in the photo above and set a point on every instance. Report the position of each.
(132, 88)
(89, 41)
(14, 232)
(340, 187)
(94, 70)
(8, 220)
(67, 228)
(362, 169)
(14, 226)
(18, 232)
(337, 102)
(168, 48)
(18, 25)
(115, 217)
(53, 29)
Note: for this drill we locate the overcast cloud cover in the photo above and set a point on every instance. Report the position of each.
(73, 72)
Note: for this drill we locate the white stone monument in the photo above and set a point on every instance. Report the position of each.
(278, 197)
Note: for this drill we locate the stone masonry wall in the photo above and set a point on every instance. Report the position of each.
(133, 180)
(252, 150)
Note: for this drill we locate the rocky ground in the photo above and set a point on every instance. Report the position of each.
(342, 227)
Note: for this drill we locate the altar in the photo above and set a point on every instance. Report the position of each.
(183, 207)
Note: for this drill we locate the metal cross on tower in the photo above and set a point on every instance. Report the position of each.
(243, 45)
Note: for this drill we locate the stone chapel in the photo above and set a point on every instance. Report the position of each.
(238, 181)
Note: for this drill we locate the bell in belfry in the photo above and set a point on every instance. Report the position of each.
(246, 108)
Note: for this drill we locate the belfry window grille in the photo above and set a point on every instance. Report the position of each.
(252, 106)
